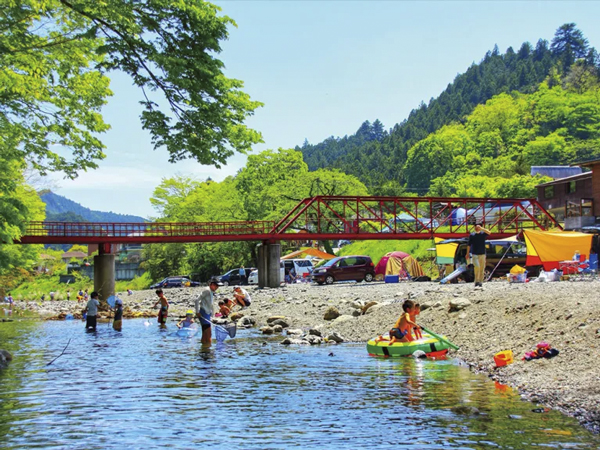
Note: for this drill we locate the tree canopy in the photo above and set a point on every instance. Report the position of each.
(55, 54)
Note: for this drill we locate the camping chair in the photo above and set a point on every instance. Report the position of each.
(584, 269)
(589, 269)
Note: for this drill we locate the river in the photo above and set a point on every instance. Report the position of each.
(147, 388)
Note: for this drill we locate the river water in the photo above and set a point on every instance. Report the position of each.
(147, 388)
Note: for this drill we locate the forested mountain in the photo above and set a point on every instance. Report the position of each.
(378, 158)
(61, 209)
(490, 155)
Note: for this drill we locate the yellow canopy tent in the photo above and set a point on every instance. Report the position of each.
(547, 248)
(309, 251)
(445, 252)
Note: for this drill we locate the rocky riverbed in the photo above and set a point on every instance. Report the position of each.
(501, 316)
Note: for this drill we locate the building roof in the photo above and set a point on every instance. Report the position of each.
(581, 176)
(591, 162)
(555, 172)
(78, 255)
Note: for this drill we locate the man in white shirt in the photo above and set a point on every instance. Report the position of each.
(204, 310)
(241, 297)
(92, 312)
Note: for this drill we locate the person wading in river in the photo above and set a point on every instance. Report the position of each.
(92, 312)
(204, 310)
(164, 308)
(476, 251)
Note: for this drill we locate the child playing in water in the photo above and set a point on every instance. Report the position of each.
(164, 307)
(118, 320)
(224, 309)
(188, 321)
(413, 317)
(229, 303)
(403, 326)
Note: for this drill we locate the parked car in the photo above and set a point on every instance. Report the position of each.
(253, 277)
(172, 282)
(500, 253)
(233, 276)
(302, 267)
(345, 268)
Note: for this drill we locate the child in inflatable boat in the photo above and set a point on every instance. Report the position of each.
(401, 332)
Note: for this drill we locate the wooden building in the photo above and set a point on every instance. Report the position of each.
(573, 199)
(594, 165)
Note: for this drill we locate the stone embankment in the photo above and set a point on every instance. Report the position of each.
(501, 316)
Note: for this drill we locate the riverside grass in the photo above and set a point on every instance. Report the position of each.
(44, 284)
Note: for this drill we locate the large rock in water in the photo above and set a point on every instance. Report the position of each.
(331, 313)
(5, 358)
(247, 322)
(460, 303)
(335, 337)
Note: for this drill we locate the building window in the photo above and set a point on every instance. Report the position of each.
(549, 192)
(571, 187)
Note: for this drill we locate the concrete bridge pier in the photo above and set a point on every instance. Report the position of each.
(269, 255)
(104, 272)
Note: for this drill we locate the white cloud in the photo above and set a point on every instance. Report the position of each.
(110, 178)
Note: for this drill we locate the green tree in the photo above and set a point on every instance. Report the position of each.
(163, 260)
(168, 195)
(19, 204)
(78, 248)
(255, 182)
(54, 56)
(569, 44)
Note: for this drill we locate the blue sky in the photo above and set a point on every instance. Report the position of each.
(321, 68)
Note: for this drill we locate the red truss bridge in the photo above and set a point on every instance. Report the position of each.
(320, 218)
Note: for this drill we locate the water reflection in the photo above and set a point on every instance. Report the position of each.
(148, 388)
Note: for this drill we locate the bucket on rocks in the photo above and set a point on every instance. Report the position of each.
(503, 358)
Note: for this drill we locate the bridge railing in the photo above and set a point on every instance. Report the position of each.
(320, 218)
(131, 231)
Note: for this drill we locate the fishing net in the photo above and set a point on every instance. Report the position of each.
(222, 332)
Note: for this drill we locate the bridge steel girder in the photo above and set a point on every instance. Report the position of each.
(321, 218)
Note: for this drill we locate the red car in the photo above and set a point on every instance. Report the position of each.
(344, 268)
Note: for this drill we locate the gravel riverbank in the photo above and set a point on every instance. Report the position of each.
(500, 316)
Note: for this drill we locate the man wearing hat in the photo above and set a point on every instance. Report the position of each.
(204, 310)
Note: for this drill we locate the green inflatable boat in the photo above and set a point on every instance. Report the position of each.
(432, 347)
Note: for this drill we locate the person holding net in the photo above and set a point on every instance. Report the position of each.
(204, 310)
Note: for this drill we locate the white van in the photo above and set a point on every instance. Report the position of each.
(253, 277)
(302, 267)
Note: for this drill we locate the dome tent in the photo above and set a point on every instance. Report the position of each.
(395, 262)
